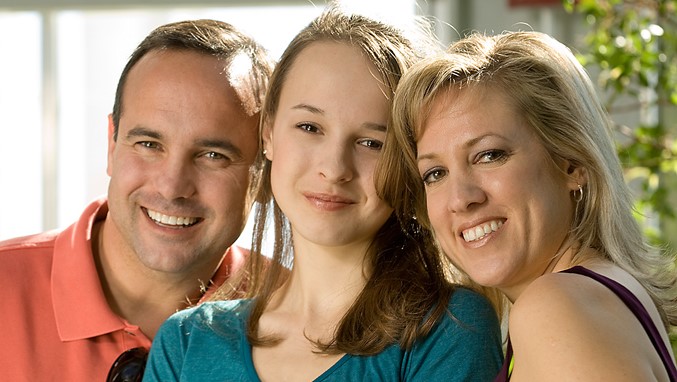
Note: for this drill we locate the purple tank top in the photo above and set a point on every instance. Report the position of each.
(635, 307)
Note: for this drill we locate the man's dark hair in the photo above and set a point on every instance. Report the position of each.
(210, 37)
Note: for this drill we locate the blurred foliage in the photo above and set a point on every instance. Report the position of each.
(633, 44)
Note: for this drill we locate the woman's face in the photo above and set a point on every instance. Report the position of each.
(499, 206)
(326, 137)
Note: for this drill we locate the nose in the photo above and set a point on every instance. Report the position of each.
(175, 178)
(463, 194)
(336, 163)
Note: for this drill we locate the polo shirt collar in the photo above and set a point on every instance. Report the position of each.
(80, 306)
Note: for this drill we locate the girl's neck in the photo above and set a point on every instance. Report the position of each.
(323, 279)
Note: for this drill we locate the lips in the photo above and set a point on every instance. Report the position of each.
(481, 230)
(170, 220)
(328, 201)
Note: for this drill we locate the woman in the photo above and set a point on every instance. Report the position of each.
(349, 294)
(508, 153)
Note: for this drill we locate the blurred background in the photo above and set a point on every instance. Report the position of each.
(60, 61)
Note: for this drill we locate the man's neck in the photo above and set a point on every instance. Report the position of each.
(141, 296)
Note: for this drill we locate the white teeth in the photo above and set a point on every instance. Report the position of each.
(170, 220)
(494, 225)
(481, 230)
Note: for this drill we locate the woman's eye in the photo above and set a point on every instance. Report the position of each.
(433, 175)
(491, 156)
(308, 127)
(371, 143)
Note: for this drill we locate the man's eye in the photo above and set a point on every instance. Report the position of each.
(148, 144)
(216, 156)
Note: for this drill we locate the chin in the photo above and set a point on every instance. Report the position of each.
(485, 277)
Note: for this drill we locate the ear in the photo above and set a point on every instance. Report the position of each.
(111, 144)
(267, 138)
(576, 175)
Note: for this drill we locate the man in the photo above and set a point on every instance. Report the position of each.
(183, 162)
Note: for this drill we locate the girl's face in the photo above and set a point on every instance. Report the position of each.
(324, 142)
(499, 206)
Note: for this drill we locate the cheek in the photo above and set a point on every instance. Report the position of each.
(228, 195)
(278, 176)
(290, 162)
(231, 187)
(128, 171)
(367, 167)
(435, 210)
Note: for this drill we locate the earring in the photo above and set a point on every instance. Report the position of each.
(578, 194)
(265, 151)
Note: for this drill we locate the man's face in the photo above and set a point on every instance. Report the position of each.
(180, 167)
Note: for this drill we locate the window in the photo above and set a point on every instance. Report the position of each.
(59, 73)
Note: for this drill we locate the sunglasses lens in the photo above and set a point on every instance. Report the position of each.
(129, 366)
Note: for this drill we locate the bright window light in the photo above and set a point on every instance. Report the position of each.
(20, 124)
(91, 48)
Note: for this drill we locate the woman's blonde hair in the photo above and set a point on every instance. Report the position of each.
(552, 91)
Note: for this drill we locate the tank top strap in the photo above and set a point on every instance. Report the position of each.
(636, 307)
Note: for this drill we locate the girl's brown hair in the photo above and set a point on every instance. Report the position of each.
(408, 291)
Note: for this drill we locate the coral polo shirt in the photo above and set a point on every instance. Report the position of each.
(57, 323)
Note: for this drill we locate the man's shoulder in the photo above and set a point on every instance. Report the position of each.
(43, 240)
(46, 239)
(236, 250)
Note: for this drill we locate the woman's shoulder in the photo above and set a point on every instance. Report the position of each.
(467, 301)
(572, 291)
(221, 313)
(199, 341)
(560, 297)
(465, 343)
(470, 309)
(575, 312)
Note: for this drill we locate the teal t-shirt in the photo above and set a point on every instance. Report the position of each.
(208, 343)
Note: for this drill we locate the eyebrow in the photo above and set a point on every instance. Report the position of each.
(375, 126)
(316, 110)
(140, 131)
(467, 144)
(312, 109)
(221, 144)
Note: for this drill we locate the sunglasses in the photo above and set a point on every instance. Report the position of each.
(129, 366)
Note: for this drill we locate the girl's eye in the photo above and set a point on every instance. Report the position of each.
(491, 156)
(433, 175)
(308, 127)
(371, 143)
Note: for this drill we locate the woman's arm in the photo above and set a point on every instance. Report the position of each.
(569, 327)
